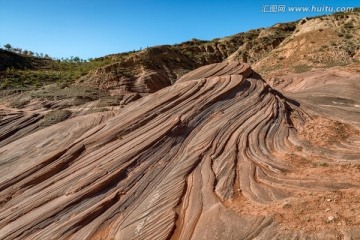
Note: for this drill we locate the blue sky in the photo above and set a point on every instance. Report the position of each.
(94, 28)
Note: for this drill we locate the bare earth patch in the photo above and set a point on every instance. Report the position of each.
(322, 131)
(307, 211)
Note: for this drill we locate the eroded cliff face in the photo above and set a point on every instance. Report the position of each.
(217, 155)
(294, 47)
(316, 43)
(153, 68)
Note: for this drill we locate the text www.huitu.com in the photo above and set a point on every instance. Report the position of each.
(284, 8)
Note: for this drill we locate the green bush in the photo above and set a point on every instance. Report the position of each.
(301, 68)
(55, 117)
(19, 103)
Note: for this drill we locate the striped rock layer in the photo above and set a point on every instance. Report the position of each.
(191, 161)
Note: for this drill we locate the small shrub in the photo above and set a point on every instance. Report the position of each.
(322, 48)
(19, 103)
(55, 117)
(108, 101)
(348, 25)
(323, 164)
(301, 68)
(299, 148)
(335, 63)
(348, 36)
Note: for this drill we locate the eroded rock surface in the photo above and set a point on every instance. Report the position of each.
(217, 155)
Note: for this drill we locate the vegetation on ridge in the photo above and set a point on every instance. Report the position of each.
(293, 46)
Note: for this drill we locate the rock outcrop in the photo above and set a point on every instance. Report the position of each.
(217, 155)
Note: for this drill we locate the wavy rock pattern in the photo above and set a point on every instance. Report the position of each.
(175, 164)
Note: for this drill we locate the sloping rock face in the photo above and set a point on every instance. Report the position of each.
(157, 67)
(146, 72)
(217, 155)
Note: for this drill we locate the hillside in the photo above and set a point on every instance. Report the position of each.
(12, 60)
(321, 42)
(283, 48)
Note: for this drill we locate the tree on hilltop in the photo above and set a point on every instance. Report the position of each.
(8, 46)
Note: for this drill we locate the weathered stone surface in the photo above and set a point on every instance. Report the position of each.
(213, 156)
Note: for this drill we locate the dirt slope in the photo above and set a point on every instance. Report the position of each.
(316, 43)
